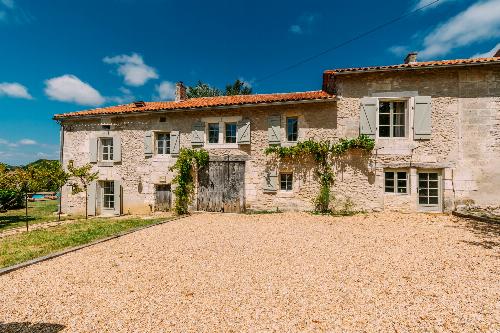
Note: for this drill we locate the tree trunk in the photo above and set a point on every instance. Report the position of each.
(86, 203)
(26, 204)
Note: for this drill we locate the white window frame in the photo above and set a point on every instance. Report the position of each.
(395, 179)
(287, 181)
(222, 131)
(408, 104)
(156, 134)
(111, 194)
(101, 149)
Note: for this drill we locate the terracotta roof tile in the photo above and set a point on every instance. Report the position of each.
(203, 102)
(417, 65)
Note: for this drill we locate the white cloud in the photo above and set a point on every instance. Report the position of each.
(296, 29)
(126, 97)
(488, 54)
(14, 89)
(166, 91)
(133, 69)
(27, 142)
(247, 83)
(7, 143)
(398, 50)
(429, 3)
(69, 88)
(8, 3)
(479, 22)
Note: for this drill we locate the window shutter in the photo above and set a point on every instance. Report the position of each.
(422, 118)
(271, 181)
(243, 132)
(93, 150)
(91, 198)
(174, 142)
(274, 130)
(148, 144)
(197, 134)
(117, 148)
(117, 197)
(368, 116)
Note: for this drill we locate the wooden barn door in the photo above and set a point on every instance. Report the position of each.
(163, 198)
(221, 187)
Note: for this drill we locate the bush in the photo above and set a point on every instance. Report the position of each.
(10, 199)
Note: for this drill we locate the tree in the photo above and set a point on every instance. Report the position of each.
(81, 177)
(238, 88)
(202, 89)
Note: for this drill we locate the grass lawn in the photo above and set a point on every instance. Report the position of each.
(38, 212)
(22, 247)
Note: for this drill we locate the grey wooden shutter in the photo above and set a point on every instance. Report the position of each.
(271, 181)
(197, 134)
(148, 144)
(117, 148)
(422, 118)
(93, 150)
(274, 130)
(368, 116)
(91, 198)
(117, 197)
(243, 136)
(174, 142)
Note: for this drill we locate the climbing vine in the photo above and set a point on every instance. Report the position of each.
(187, 163)
(322, 152)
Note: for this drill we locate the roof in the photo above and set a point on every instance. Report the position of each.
(417, 65)
(202, 102)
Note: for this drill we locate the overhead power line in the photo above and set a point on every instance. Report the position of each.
(355, 38)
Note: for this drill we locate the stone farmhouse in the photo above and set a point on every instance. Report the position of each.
(436, 125)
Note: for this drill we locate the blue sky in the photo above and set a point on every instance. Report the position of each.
(60, 56)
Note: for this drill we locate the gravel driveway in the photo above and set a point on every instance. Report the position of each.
(281, 272)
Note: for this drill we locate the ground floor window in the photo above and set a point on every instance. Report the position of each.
(428, 188)
(108, 190)
(286, 181)
(396, 182)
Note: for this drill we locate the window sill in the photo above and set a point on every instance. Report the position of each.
(105, 164)
(221, 145)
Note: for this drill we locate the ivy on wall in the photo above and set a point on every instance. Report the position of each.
(323, 152)
(188, 162)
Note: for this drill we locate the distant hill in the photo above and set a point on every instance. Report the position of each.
(41, 162)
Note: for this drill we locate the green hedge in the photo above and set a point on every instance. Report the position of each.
(11, 199)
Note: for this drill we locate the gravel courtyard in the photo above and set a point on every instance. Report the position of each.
(385, 272)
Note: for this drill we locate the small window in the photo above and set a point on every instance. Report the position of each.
(106, 149)
(286, 180)
(392, 119)
(106, 127)
(396, 182)
(213, 133)
(163, 119)
(162, 143)
(108, 190)
(230, 132)
(292, 130)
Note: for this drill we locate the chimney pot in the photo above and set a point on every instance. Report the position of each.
(411, 58)
(497, 55)
(180, 92)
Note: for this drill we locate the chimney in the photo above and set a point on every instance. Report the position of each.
(180, 92)
(411, 58)
(497, 55)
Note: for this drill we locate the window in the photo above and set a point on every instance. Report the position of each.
(392, 119)
(292, 130)
(163, 119)
(106, 149)
(286, 180)
(230, 132)
(396, 182)
(213, 133)
(162, 143)
(106, 127)
(108, 190)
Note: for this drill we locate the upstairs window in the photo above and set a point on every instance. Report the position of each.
(392, 119)
(396, 182)
(286, 181)
(292, 129)
(163, 143)
(213, 133)
(231, 130)
(106, 149)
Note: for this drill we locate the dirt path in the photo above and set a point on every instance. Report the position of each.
(280, 272)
